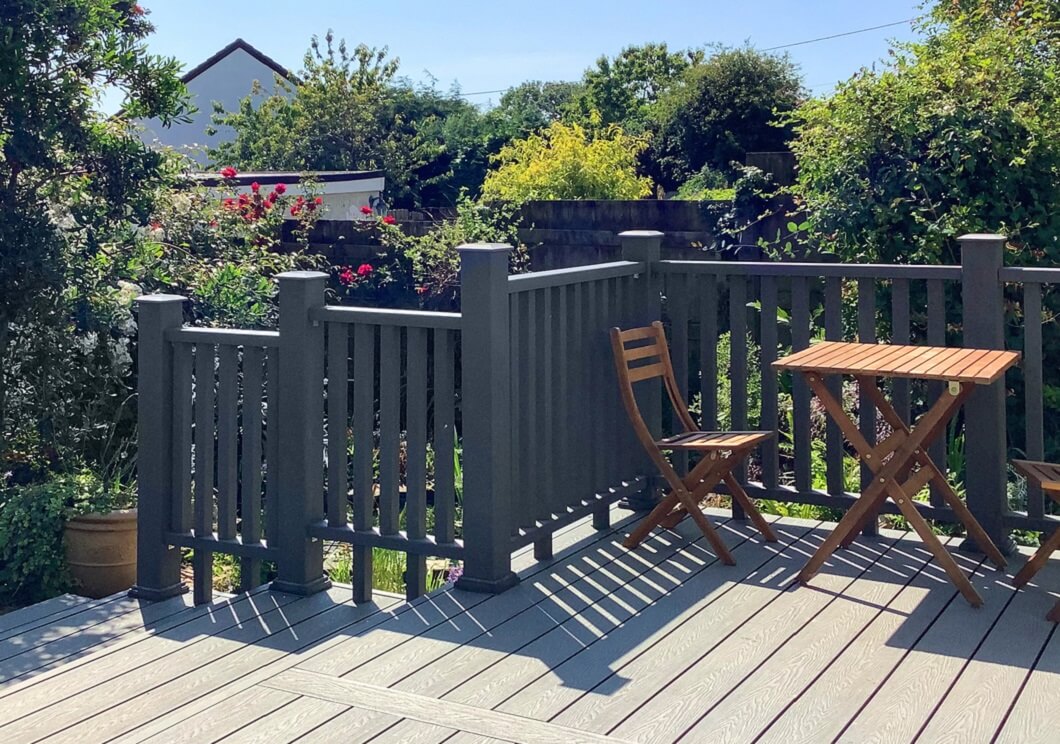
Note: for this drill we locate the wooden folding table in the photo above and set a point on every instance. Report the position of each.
(900, 463)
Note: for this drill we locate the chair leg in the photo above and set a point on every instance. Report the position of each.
(1038, 560)
(707, 528)
(649, 522)
(749, 508)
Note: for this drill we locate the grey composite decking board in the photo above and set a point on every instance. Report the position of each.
(972, 709)
(900, 706)
(45, 612)
(1032, 718)
(79, 633)
(125, 677)
(604, 663)
(447, 657)
(699, 680)
(764, 692)
(726, 651)
(37, 692)
(827, 700)
(430, 710)
(570, 538)
(138, 698)
(356, 652)
(353, 726)
(410, 731)
(242, 709)
(288, 723)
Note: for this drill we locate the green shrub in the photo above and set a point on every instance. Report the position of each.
(32, 518)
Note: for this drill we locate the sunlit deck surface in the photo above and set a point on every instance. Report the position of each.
(600, 644)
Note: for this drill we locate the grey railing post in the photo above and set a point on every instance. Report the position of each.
(300, 471)
(646, 246)
(486, 418)
(157, 562)
(985, 441)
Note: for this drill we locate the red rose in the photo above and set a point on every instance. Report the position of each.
(295, 209)
(280, 188)
(255, 187)
(228, 172)
(366, 209)
(271, 198)
(347, 277)
(318, 201)
(136, 10)
(389, 220)
(364, 270)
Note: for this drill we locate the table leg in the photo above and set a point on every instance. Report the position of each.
(885, 483)
(960, 510)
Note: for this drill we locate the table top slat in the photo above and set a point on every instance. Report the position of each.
(981, 366)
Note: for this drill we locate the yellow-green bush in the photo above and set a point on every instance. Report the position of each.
(568, 161)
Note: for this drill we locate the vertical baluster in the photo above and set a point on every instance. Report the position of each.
(363, 451)
(768, 421)
(416, 462)
(338, 411)
(708, 352)
(389, 429)
(677, 302)
(204, 469)
(182, 426)
(833, 331)
(800, 392)
(444, 438)
(515, 361)
(227, 440)
(580, 404)
(272, 445)
(936, 336)
(866, 408)
(534, 384)
(900, 334)
(615, 417)
(1032, 392)
(250, 491)
(547, 421)
(599, 356)
(565, 390)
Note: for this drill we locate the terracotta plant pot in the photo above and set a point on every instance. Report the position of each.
(101, 552)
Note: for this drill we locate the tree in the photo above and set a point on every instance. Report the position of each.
(534, 105)
(67, 173)
(721, 109)
(960, 132)
(567, 161)
(625, 90)
(350, 111)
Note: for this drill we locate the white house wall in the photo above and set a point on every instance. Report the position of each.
(227, 81)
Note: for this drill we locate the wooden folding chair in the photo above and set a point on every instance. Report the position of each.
(647, 359)
(1047, 477)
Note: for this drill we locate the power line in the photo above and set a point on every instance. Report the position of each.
(768, 49)
(836, 36)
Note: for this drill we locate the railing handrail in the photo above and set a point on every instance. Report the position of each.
(819, 270)
(1029, 275)
(385, 317)
(562, 277)
(223, 336)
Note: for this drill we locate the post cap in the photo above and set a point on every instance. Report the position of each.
(983, 238)
(302, 275)
(640, 234)
(484, 248)
(159, 299)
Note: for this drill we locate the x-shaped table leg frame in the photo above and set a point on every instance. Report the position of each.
(687, 492)
(896, 479)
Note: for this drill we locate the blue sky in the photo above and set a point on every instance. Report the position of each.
(484, 46)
